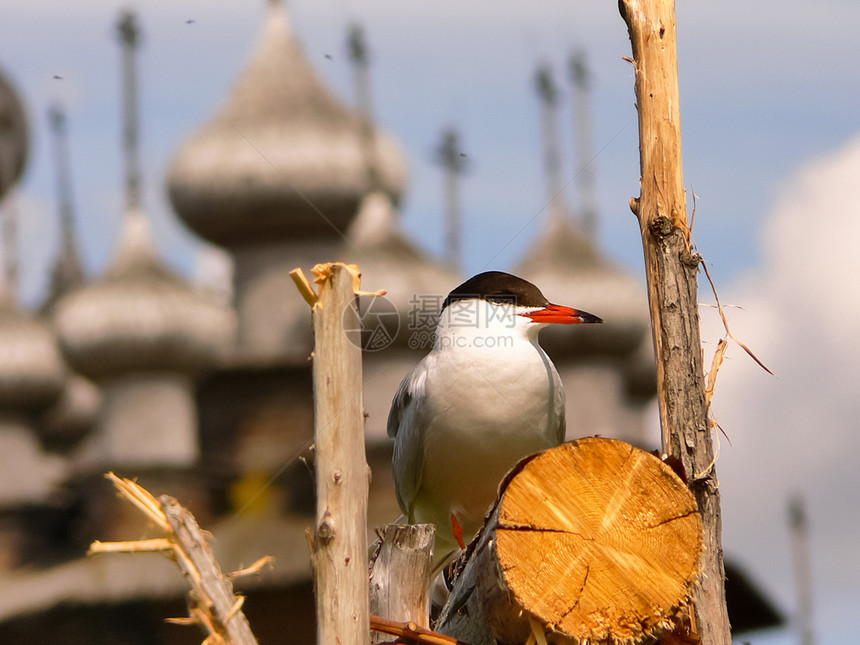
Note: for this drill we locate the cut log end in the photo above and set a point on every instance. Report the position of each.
(600, 541)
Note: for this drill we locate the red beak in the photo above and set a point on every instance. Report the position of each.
(562, 315)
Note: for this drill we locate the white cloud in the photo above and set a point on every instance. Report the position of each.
(798, 432)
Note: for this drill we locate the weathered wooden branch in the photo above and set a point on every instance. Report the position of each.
(409, 633)
(671, 268)
(400, 575)
(593, 541)
(215, 607)
(340, 536)
(209, 584)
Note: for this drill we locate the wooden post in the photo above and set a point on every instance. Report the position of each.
(400, 575)
(340, 538)
(671, 269)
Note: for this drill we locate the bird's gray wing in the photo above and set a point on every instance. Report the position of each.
(561, 430)
(558, 394)
(406, 422)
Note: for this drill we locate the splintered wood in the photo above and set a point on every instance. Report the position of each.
(213, 605)
(598, 540)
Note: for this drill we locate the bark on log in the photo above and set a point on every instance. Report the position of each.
(596, 541)
(671, 269)
(400, 575)
(340, 540)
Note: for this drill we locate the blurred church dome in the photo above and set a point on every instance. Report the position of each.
(14, 141)
(31, 368)
(415, 283)
(140, 316)
(568, 268)
(283, 158)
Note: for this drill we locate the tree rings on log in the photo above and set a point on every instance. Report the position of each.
(599, 540)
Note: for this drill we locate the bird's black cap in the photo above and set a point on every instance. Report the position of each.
(498, 287)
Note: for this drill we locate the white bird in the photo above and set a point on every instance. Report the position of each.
(485, 396)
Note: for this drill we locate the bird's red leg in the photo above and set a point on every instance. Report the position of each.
(458, 531)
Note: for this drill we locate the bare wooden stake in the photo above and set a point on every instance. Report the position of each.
(671, 269)
(340, 540)
(400, 575)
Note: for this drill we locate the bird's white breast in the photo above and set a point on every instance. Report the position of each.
(486, 408)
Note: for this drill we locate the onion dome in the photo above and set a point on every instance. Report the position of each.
(14, 142)
(141, 316)
(31, 368)
(415, 284)
(283, 158)
(569, 269)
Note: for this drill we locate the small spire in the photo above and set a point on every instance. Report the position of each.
(130, 35)
(67, 272)
(580, 78)
(358, 52)
(453, 160)
(135, 245)
(799, 525)
(548, 95)
(359, 55)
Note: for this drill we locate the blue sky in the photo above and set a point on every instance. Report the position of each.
(769, 104)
